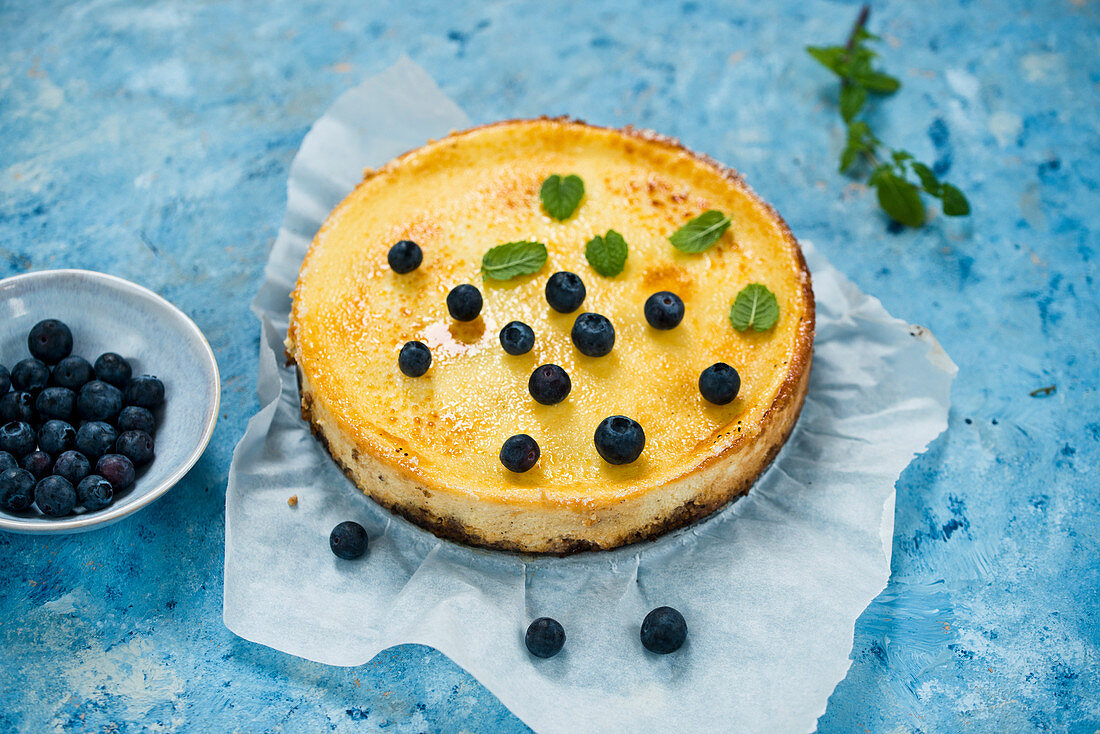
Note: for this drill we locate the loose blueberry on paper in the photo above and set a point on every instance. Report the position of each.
(348, 540)
(545, 637)
(44, 459)
(663, 630)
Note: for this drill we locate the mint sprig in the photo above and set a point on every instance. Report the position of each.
(892, 171)
(700, 233)
(607, 254)
(561, 196)
(513, 259)
(754, 308)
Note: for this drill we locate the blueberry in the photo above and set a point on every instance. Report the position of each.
(16, 489)
(38, 463)
(72, 465)
(7, 461)
(94, 492)
(405, 257)
(415, 359)
(133, 418)
(464, 302)
(72, 372)
(50, 341)
(565, 292)
(112, 369)
(17, 406)
(99, 401)
(17, 438)
(549, 384)
(56, 437)
(116, 469)
(663, 630)
(137, 446)
(5, 380)
(517, 338)
(593, 335)
(719, 383)
(30, 375)
(145, 391)
(95, 438)
(664, 310)
(348, 540)
(55, 402)
(545, 637)
(55, 496)
(519, 453)
(619, 440)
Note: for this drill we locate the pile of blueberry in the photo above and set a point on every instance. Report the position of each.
(618, 439)
(73, 434)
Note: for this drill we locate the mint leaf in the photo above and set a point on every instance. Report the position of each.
(831, 57)
(898, 198)
(755, 307)
(852, 98)
(877, 81)
(860, 141)
(607, 254)
(954, 202)
(513, 259)
(928, 180)
(700, 233)
(560, 196)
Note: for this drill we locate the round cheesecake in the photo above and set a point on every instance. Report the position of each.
(429, 447)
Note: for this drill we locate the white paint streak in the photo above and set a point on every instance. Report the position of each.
(1005, 127)
(170, 79)
(76, 601)
(25, 177)
(1043, 67)
(963, 83)
(131, 675)
(50, 96)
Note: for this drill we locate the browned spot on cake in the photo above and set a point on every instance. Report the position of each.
(669, 277)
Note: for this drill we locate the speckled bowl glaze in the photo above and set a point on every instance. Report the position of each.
(109, 314)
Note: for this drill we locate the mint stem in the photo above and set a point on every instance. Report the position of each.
(861, 21)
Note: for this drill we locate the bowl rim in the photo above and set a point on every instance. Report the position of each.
(80, 523)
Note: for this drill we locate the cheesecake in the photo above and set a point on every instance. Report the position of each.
(428, 441)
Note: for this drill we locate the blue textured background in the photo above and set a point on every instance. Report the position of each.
(152, 142)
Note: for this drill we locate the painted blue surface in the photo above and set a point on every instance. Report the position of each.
(152, 142)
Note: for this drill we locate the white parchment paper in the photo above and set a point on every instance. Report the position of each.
(770, 587)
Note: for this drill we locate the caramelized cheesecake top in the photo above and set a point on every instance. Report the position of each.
(459, 197)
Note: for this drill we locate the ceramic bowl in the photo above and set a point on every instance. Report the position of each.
(109, 314)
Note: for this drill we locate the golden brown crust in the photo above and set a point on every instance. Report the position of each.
(712, 482)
